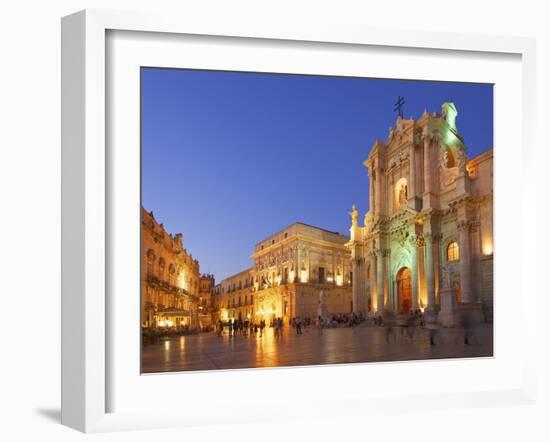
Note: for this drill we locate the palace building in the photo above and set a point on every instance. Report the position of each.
(170, 278)
(429, 227)
(206, 288)
(295, 272)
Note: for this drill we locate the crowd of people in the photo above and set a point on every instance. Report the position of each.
(403, 324)
(396, 326)
(247, 327)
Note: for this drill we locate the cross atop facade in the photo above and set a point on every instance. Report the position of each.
(399, 105)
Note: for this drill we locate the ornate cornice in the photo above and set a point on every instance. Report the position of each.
(274, 248)
(466, 199)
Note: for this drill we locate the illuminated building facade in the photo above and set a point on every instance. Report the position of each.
(206, 287)
(170, 278)
(429, 227)
(290, 269)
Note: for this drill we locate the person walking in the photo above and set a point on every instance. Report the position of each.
(468, 332)
(411, 323)
(298, 323)
(390, 332)
(431, 325)
(320, 324)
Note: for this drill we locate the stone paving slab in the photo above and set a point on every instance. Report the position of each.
(208, 351)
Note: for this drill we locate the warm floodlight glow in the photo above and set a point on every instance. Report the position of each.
(488, 248)
(303, 276)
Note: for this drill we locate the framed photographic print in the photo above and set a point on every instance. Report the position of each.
(239, 200)
(250, 153)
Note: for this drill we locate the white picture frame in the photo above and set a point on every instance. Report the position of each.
(85, 209)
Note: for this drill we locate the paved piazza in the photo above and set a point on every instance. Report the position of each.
(363, 343)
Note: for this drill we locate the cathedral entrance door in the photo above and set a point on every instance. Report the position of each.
(404, 289)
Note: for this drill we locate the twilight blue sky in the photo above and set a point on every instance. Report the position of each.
(229, 158)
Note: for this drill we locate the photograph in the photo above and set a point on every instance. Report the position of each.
(303, 220)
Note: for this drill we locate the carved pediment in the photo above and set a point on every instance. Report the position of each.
(401, 158)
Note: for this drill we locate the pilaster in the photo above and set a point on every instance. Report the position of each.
(379, 281)
(414, 270)
(465, 261)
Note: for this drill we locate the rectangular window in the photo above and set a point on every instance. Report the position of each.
(321, 275)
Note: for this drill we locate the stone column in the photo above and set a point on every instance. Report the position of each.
(372, 281)
(390, 296)
(430, 278)
(297, 267)
(464, 256)
(371, 191)
(427, 166)
(414, 271)
(333, 269)
(355, 283)
(379, 199)
(308, 270)
(380, 281)
(385, 271)
(412, 177)
(362, 286)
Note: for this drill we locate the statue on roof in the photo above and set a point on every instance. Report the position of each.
(354, 215)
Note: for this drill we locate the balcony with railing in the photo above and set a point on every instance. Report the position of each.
(166, 286)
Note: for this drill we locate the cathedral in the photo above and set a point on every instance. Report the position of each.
(426, 241)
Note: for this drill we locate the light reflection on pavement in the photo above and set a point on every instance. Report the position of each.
(207, 351)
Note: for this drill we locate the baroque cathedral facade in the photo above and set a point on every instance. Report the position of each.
(429, 228)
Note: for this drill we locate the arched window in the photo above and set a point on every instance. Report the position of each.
(453, 252)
